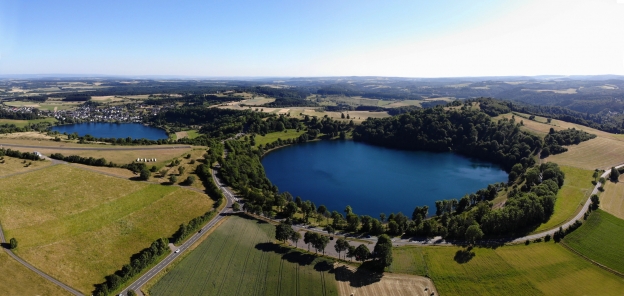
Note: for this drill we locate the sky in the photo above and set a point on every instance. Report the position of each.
(232, 38)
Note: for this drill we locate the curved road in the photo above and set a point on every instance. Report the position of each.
(39, 272)
(136, 285)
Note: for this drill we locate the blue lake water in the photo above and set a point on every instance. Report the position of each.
(113, 130)
(374, 179)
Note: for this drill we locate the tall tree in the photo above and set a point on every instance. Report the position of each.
(362, 253)
(283, 231)
(383, 251)
(341, 246)
(295, 236)
(473, 233)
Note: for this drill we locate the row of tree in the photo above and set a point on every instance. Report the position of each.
(138, 262)
(187, 229)
(18, 154)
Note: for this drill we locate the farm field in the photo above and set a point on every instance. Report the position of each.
(18, 280)
(536, 269)
(612, 199)
(13, 165)
(47, 105)
(601, 239)
(23, 123)
(79, 226)
(239, 258)
(354, 282)
(571, 196)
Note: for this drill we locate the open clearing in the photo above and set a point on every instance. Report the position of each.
(571, 196)
(601, 238)
(79, 226)
(612, 199)
(239, 258)
(536, 269)
(272, 137)
(13, 165)
(19, 280)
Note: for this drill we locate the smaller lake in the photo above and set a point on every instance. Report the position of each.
(374, 179)
(113, 130)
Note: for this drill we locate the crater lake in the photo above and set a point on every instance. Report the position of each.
(112, 130)
(374, 180)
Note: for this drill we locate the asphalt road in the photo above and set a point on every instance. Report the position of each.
(136, 286)
(39, 272)
(107, 147)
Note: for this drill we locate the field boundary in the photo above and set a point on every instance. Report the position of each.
(615, 272)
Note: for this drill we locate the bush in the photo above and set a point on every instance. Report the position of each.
(13, 243)
(189, 180)
(547, 238)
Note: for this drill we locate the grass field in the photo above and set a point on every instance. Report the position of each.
(23, 123)
(536, 269)
(601, 238)
(612, 199)
(272, 137)
(18, 280)
(571, 196)
(239, 258)
(79, 226)
(13, 165)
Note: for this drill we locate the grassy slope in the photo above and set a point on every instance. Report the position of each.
(612, 199)
(537, 269)
(18, 280)
(13, 165)
(601, 238)
(571, 196)
(229, 262)
(79, 226)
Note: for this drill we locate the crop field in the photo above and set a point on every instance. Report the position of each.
(47, 105)
(239, 258)
(536, 269)
(601, 238)
(13, 165)
(79, 226)
(258, 101)
(364, 283)
(612, 199)
(23, 123)
(571, 196)
(18, 280)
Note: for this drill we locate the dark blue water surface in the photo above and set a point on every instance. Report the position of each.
(113, 130)
(374, 179)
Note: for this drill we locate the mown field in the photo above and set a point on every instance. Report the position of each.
(571, 196)
(612, 199)
(601, 238)
(19, 280)
(13, 165)
(239, 258)
(536, 269)
(79, 226)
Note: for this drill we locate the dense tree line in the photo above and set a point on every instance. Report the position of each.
(6, 114)
(18, 154)
(138, 262)
(467, 132)
(84, 160)
(555, 140)
(203, 172)
(8, 128)
(242, 169)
